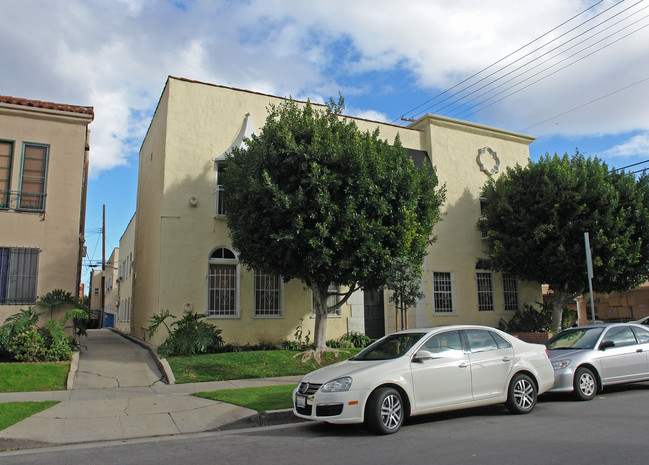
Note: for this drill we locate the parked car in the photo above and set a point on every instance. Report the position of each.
(588, 358)
(641, 321)
(421, 371)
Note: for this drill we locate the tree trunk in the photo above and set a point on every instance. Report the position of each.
(320, 303)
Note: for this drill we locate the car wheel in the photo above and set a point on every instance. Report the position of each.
(384, 412)
(521, 397)
(585, 384)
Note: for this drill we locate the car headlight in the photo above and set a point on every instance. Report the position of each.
(560, 364)
(337, 385)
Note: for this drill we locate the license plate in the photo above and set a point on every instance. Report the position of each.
(300, 401)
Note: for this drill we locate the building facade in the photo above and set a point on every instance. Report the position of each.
(125, 280)
(184, 261)
(44, 154)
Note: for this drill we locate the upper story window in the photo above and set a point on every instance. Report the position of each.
(223, 284)
(219, 201)
(18, 275)
(483, 205)
(6, 159)
(268, 295)
(33, 177)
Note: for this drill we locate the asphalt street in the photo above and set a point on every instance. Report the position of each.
(610, 429)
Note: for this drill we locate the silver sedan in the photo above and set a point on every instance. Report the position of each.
(588, 358)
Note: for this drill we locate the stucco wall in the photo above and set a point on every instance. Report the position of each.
(56, 230)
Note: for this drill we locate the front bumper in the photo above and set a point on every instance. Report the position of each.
(332, 407)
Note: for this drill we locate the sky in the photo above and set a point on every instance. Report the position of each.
(573, 73)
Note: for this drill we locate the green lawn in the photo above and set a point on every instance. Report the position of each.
(245, 365)
(261, 399)
(13, 412)
(23, 377)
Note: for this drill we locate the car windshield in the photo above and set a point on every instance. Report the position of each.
(390, 347)
(584, 338)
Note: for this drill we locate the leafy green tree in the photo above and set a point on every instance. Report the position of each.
(405, 282)
(314, 198)
(536, 217)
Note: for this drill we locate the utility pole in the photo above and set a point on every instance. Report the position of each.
(103, 265)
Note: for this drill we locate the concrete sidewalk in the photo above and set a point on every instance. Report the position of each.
(118, 393)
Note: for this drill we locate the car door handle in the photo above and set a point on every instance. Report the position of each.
(639, 350)
(463, 365)
(507, 359)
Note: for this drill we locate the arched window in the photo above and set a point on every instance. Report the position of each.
(223, 284)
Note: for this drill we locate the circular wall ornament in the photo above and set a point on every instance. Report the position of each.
(488, 160)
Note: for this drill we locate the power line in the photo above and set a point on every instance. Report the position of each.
(586, 104)
(465, 111)
(504, 58)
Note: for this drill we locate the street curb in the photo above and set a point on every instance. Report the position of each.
(164, 368)
(269, 418)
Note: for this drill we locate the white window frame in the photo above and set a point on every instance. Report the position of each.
(268, 313)
(237, 292)
(483, 278)
(451, 279)
(510, 292)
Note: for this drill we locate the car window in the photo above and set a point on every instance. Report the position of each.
(578, 338)
(501, 341)
(642, 335)
(392, 346)
(448, 343)
(620, 335)
(480, 341)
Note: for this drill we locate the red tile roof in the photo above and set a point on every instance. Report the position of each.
(47, 105)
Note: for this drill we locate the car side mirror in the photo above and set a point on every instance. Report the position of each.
(421, 356)
(606, 344)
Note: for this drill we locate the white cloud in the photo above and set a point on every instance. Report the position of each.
(116, 56)
(638, 145)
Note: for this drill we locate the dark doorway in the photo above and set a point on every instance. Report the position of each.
(374, 314)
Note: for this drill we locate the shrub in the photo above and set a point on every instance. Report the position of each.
(358, 339)
(187, 336)
(533, 320)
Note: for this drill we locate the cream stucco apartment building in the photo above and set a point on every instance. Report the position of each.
(184, 262)
(43, 177)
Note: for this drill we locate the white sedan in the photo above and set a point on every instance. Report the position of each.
(423, 371)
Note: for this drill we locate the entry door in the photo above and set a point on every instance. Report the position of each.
(374, 314)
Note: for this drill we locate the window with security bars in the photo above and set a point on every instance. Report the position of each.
(443, 298)
(485, 291)
(222, 290)
(18, 275)
(268, 295)
(6, 158)
(34, 174)
(510, 290)
(331, 300)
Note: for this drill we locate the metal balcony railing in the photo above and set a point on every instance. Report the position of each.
(22, 201)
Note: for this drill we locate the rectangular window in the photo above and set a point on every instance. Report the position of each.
(268, 295)
(96, 291)
(222, 291)
(485, 292)
(34, 174)
(331, 300)
(220, 197)
(6, 158)
(443, 293)
(18, 275)
(510, 289)
(483, 204)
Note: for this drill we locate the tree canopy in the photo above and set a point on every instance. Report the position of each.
(313, 198)
(536, 216)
